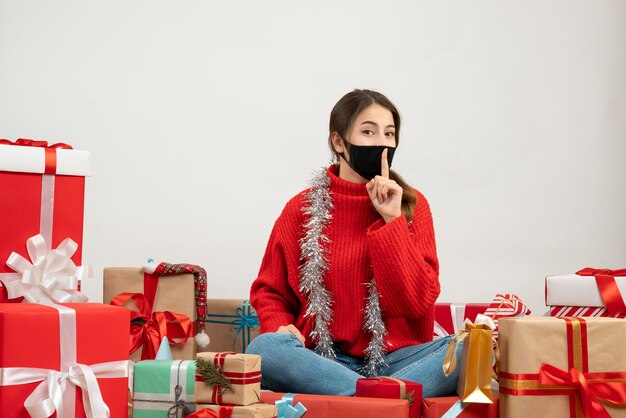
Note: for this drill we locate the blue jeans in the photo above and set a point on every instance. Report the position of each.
(288, 366)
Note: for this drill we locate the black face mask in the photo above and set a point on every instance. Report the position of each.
(366, 159)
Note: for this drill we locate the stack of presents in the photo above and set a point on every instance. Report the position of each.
(157, 347)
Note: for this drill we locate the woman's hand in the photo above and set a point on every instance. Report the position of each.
(291, 329)
(386, 194)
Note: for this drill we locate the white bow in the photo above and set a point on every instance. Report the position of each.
(50, 276)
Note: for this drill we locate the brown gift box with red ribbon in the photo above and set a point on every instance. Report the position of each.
(562, 367)
(173, 300)
(258, 410)
(43, 191)
(228, 378)
(388, 387)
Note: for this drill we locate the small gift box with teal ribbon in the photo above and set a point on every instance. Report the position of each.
(164, 388)
(230, 324)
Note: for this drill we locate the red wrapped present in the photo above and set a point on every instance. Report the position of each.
(450, 317)
(452, 405)
(388, 387)
(325, 406)
(63, 357)
(43, 188)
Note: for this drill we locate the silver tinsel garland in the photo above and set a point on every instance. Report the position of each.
(314, 254)
(313, 251)
(375, 351)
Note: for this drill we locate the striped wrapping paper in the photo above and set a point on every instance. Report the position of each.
(584, 311)
(505, 305)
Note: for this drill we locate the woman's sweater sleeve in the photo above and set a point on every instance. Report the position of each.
(270, 294)
(404, 260)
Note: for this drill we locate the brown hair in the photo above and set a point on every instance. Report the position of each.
(341, 119)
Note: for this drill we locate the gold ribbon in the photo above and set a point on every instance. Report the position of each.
(399, 382)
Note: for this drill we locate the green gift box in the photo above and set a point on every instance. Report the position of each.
(163, 388)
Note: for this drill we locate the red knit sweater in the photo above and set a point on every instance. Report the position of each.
(402, 258)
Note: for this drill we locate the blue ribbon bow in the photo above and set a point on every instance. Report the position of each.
(243, 321)
(285, 408)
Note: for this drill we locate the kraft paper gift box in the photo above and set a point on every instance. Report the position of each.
(43, 190)
(231, 324)
(155, 392)
(326, 406)
(387, 387)
(74, 339)
(228, 378)
(452, 405)
(174, 294)
(259, 410)
(589, 292)
(562, 367)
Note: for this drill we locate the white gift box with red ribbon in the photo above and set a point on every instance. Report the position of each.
(588, 287)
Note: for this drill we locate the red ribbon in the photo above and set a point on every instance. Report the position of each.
(589, 391)
(224, 412)
(148, 328)
(605, 280)
(50, 151)
(204, 413)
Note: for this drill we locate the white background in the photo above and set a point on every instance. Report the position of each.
(205, 117)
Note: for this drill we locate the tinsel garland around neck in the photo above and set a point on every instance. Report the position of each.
(317, 209)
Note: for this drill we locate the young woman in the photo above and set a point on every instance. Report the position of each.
(349, 279)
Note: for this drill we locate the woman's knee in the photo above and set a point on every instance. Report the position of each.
(271, 343)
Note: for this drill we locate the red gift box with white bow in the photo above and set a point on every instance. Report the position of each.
(43, 189)
(71, 358)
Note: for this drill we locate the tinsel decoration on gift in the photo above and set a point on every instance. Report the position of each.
(317, 209)
(213, 375)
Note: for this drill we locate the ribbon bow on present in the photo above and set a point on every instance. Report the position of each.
(50, 276)
(34, 143)
(204, 413)
(148, 328)
(589, 387)
(181, 406)
(244, 320)
(285, 408)
(605, 279)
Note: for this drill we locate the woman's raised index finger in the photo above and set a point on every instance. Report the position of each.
(384, 165)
